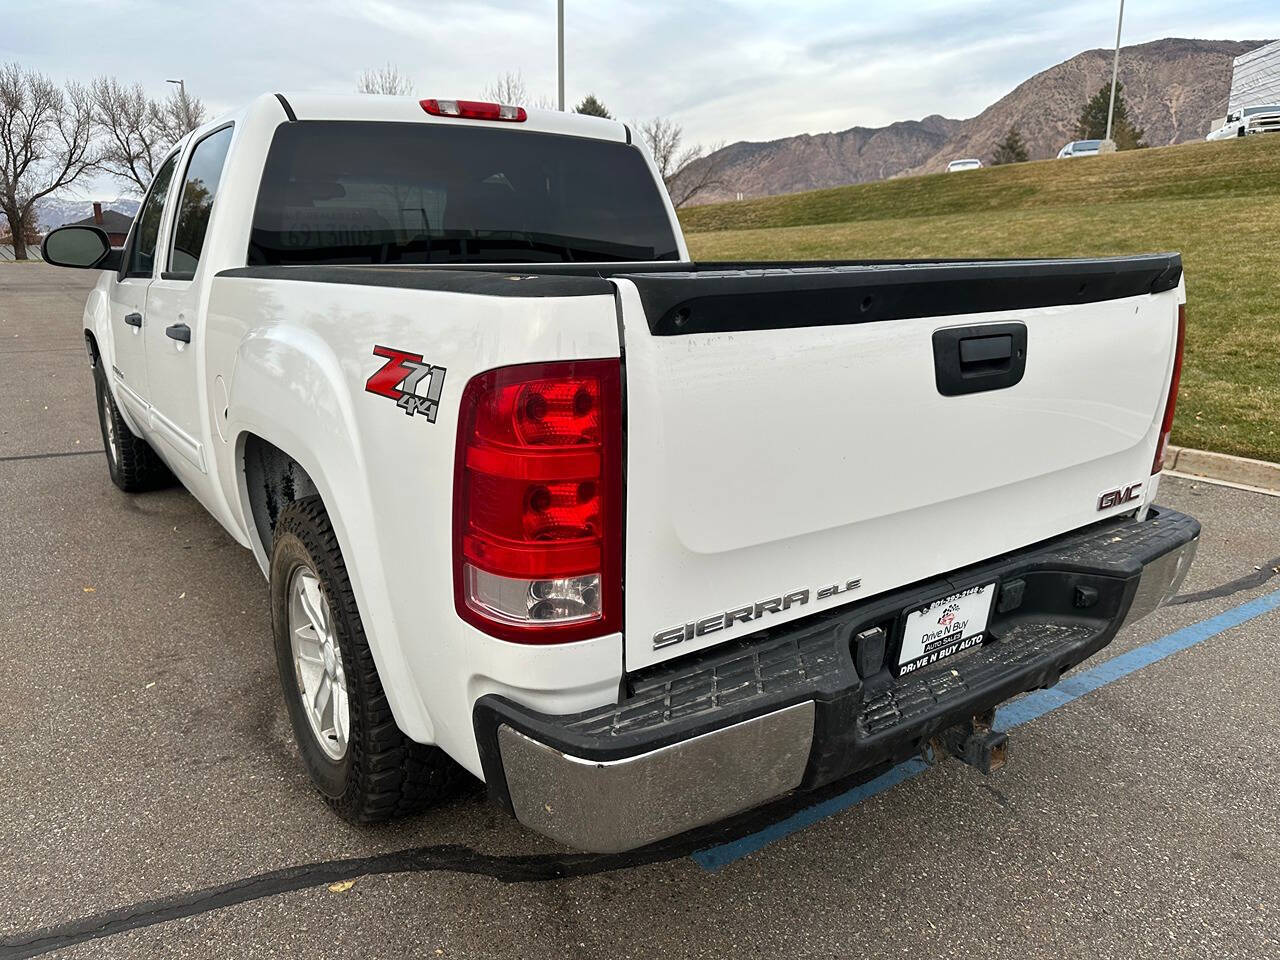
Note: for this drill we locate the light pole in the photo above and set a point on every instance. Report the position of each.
(1115, 72)
(182, 91)
(560, 48)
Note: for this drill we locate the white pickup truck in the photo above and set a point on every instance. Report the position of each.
(642, 542)
(1246, 121)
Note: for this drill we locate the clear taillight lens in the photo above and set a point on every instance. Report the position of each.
(538, 502)
(532, 603)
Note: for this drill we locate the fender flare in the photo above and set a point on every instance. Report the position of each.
(307, 415)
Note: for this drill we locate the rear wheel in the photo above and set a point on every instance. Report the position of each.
(366, 769)
(133, 465)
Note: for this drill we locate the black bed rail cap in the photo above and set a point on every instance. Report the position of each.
(726, 297)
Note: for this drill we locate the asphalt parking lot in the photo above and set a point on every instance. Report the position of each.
(154, 805)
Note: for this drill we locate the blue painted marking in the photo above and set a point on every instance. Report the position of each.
(1023, 710)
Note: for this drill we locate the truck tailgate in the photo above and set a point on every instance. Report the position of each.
(827, 434)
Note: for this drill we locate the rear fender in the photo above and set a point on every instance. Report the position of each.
(307, 414)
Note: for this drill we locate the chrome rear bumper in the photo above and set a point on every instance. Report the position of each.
(1161, 580)
(710, 737)
(622, 804)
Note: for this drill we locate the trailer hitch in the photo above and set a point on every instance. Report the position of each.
(972, 741)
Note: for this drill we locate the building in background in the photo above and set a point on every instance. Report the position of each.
(115, 224)
(1255, 78)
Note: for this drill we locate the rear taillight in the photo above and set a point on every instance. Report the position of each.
(537, 550)
(1166, 425)
(474, 110)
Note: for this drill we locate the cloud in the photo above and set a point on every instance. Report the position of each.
(748, 69)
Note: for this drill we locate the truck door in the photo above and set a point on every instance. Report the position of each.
(174, 334)
(129, 299)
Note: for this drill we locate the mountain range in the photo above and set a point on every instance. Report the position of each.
(1174, 89)
(55, 212)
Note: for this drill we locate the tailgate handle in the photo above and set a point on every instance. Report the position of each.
(976, 358)
(980, 353)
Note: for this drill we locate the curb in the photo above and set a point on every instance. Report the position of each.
(1241, 471)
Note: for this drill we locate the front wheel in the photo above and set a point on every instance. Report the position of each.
(366, 769)
(133, 465)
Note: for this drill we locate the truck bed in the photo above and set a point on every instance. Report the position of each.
(815, 431)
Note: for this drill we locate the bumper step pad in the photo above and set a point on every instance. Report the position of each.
(1025, 644)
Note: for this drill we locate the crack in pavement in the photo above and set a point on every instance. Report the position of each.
(453, 858)
(458, 859)
(46, 456)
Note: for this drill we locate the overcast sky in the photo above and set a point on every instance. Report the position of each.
(725, 70)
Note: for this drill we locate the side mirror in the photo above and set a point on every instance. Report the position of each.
(86, 248)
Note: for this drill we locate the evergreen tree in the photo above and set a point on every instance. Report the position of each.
(1092, 124)
(1012, 149)
(592, 107)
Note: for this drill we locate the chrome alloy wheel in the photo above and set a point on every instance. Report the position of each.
(109, 426)
(317, 664)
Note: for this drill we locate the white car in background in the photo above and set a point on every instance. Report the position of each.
(1080, 148)
(1247, 120)
(972, 163)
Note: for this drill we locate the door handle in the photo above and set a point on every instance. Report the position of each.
(179, 331)
(133, 319)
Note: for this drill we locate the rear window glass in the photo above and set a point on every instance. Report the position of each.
(376, 192)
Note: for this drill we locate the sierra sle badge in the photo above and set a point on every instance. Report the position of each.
(746, 614)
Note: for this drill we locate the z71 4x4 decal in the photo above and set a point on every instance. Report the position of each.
(401, 376)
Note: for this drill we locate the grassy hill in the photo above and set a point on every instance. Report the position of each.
(1217, 203)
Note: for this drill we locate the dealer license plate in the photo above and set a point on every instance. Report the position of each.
(945, 627)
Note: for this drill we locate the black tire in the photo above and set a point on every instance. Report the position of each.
(383, 774)
(133, 465)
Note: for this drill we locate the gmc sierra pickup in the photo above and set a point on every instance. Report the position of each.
(642, 542)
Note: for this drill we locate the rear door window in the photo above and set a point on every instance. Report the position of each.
(204, 171)
(378, 192)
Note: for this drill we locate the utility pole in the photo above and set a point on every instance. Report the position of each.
(560, 48)
(182, 92)
(1115, 72)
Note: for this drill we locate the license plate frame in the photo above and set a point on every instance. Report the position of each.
(928, 635)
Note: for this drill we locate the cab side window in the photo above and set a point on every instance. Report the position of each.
(204, 170)
(142, 247)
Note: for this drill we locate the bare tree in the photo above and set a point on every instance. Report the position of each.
(179, 115)
(510, 88)
(135, 132)
(130, 142)
(45, 144)
(686, 170)
(388, 81)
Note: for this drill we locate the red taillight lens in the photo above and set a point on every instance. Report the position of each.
(538, 502)
(474, 110)
(1166, 427)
